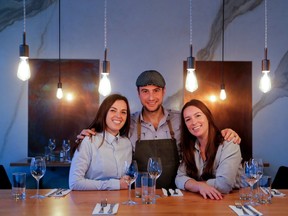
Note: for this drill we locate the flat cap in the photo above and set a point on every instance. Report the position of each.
(150, 77)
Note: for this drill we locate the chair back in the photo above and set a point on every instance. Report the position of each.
(4, 180)
(281, 178)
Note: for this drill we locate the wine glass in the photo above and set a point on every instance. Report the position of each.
(154, 169)
(260, 167)
(131, 171)
(260, 170)
(252, 176)
(38, 169)
(51, 145)
(66, 148)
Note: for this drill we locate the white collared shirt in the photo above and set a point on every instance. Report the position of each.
(227, 168)
(94, 168)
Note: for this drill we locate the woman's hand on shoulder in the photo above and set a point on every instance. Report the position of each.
(230, 135)
(85, 132)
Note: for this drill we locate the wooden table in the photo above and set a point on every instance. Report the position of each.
(83, 202)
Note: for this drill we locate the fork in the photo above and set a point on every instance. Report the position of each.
(103, 205)
(175, 192)
(59, 192)
(276, 192)
(110, 211)
(55, 192)
(240, 206)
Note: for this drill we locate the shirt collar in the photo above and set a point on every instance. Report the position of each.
(111, 138)
(197, 145)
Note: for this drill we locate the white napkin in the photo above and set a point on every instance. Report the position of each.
(277, 193)
(274, 192)
(239, 211)
(58, 192)
(106, 209)
(179, 193)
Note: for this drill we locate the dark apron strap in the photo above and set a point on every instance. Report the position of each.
(139, 129)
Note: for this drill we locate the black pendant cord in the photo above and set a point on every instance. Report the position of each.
(222, 79)
(59, 44)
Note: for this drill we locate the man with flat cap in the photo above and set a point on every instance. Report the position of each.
(155, 131)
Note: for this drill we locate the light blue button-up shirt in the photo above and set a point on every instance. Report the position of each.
(227, 168)
(94, 168)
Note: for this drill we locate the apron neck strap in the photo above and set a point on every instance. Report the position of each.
(139, 129)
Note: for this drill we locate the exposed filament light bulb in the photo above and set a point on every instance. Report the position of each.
(191, 83)
(23, 72)
(223, 95)
(59, 93)
(265, 82)
(104, 85)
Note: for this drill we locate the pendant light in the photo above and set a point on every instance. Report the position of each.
(191, 83)
(265, 82)
(59, 93)
(23, 72)
(104, 84)
(223, 95)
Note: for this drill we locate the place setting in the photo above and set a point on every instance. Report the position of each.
(241, 210)
(250, 193)
(58, 192)
(171, 192)
(105, 208)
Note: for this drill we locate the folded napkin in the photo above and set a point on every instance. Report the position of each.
(114, 209)
(277, 193)
(274, 192)
(58, 192)
(249, 209)
(172, 192)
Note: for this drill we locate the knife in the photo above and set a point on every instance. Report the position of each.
(168, 192)
(110, 211)
(252, 210)
(54, 192)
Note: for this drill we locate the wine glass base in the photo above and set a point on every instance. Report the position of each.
(37, 196)
(129, 202)
(252, 203)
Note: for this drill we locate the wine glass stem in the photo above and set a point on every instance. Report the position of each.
(129, 192)
(66, 155)
(37, 187)
(154, 192)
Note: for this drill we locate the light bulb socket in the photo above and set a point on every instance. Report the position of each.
(24, 50)
(106, 67)
(59, 85)
(265, 65)
(222, 86)
(190, 62)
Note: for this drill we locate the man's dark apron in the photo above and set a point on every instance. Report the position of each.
(166, 149)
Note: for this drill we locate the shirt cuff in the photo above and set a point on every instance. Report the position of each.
(180, 182)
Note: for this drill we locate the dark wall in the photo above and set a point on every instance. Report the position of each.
(236, 111)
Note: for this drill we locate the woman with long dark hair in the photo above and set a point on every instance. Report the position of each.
(97, 161)
(210, 166)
